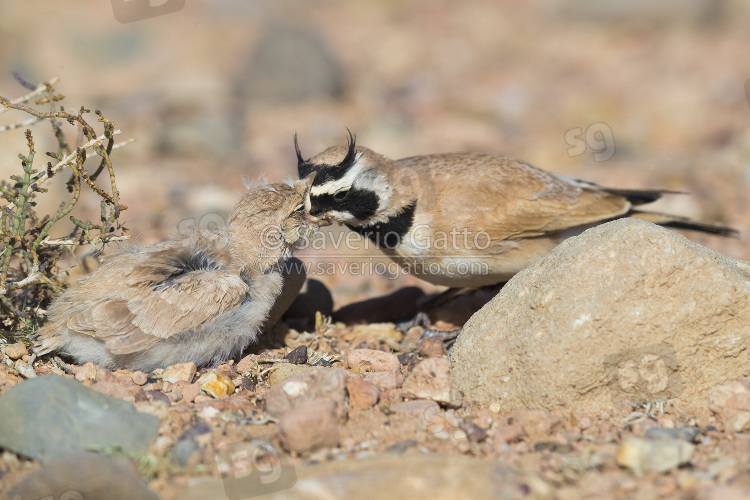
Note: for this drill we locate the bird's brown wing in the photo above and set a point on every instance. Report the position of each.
(159, 310)
(529, 215)
(511, 199)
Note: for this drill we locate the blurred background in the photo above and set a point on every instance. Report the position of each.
(630, 94)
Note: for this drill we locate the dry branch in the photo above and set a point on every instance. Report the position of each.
(29, 273)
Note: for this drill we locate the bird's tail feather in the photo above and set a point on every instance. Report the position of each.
(677, 222)
(640, 196)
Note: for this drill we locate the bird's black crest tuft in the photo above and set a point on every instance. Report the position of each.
(327, 173)
(300, 161)
(351, 155)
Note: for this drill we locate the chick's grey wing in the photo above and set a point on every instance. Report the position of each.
(160, 310)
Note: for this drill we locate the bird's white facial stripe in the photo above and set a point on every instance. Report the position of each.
(340, 216)
(345, 182)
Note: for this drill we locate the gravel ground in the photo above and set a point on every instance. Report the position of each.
(661, 92)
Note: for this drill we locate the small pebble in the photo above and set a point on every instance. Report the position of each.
(407, 357)
(297, 356)
(215, 384)
(311, 425)
(370, 360)
(431, 379)
(643, 455)
(430, 347)
(139, 378)
(158, 397)
(508, 433)
(411, 339)
(190, 392)
(474, 433)
(283, 371)
(584, 423)
(181, 371)
(16, 351)
(401, 446)
(386, 381)
(248, 363)
(684, 433)
(362, 393)
(416, 408)
(310, 384)
(538, 424)
(731, 403)
(85, 372)
(484, 418)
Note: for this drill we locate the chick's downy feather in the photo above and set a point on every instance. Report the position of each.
(202, 297)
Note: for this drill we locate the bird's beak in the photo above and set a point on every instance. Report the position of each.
(318, 222)
(308, 182)
(311, 219)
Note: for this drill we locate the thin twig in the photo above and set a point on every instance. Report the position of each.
(39, 90)
(73, 242)
(33, 277)
(70, 159)
(26, 123)
(123, 143)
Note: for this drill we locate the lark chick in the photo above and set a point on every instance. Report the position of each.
(202, 297)
(465, 219)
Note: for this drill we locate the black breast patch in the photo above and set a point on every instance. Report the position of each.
(389, 234)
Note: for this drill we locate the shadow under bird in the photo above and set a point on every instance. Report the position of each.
(466, 219)
(202, 297)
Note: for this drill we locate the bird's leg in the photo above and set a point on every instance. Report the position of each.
(445, 300)
(421, 319)
(448, 338)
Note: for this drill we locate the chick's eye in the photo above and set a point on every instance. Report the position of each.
(340, 195)
(299, 207)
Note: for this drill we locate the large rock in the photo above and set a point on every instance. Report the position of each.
(48, 417)
(625, 312)
(386, 477)
(83, 475)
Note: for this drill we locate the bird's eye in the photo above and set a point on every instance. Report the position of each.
(299, 207)
(340, 195)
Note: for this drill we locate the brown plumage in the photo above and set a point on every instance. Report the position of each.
(202, 297)
(466, 219)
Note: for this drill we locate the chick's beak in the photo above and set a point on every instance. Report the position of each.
(316, 221)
